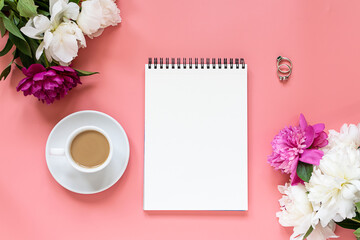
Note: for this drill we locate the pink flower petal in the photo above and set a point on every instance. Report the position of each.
(302, 122)
(320, 141)
(39, 76)
(309, 136)
(33, 69)
(319, 127)
(27, 80)
(295, 180)
(311, 156)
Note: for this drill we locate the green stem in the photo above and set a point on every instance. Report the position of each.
(354, 220)
(46, 61)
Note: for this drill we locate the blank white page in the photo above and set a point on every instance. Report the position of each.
(195, 139)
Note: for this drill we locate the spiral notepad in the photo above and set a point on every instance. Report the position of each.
(195, 134)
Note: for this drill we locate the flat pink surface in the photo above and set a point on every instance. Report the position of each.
(322, 38)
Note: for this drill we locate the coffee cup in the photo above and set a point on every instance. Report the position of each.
(88, 149)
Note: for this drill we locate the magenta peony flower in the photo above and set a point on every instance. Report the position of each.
(294, 144)
(48, 84)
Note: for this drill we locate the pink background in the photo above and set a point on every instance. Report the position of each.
(321, 37)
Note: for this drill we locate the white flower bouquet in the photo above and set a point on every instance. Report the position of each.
(47, 35)
(325, 188)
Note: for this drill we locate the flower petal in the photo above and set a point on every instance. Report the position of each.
(72, 11)
(34, 68)
(319, 127)
(311, 156)
(89, 19)
(309, 136)
(39, 50)
(41, 23)
(24, 84)
(302, 122)
(320, 141)
(36, 26)
(295, 180)
(31, 32)
(39, 76)
(56, 12)
(48, 36)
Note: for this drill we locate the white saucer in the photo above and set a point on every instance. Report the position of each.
(87, 183)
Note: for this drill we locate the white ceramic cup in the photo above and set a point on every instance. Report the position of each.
(66, 151)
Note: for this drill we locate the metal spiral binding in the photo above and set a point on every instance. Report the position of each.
(153, 62)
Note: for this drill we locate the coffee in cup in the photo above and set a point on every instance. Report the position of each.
(88, 149)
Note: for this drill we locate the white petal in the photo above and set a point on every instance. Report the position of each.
(98, 33)
(68, 49)
(72, 11)
(321, 233)
(48, 36)
(30, 23)
(89, 19)
(41, 23)
(48, 55)
(51, 5)
(110, 12)
(40, 50)
(31, 32)
(57, 12)
(36, 26)
(80, 37)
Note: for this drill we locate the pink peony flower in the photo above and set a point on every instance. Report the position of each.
(294, 144)
(48, 84)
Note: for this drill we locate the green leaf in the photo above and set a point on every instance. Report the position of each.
(16, 21)
(15, 54)
(33, 44)
(5, 72)
(23, 46)
(45, 13)
(308, 232)
(7, 48)
(357, 233)
(18, 66)
(27, 8)
(11, 4)
(25, 60)
(2, 28)
(75, 1)
(11, 27)
(1, 4)
(43, 5)
(349, 224)
(357, 207)
(85, 73)
(304, 171)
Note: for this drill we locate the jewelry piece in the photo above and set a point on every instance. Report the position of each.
(280, 72)
(284, 74)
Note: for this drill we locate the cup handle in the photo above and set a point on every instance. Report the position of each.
(57, 151)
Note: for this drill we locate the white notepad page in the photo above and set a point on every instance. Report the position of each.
(195, 139)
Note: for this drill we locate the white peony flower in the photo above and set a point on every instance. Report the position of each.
(335, 184)
(297, 211)
(62, 45)
(349, 135)
(96, 15)
(61, 36)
